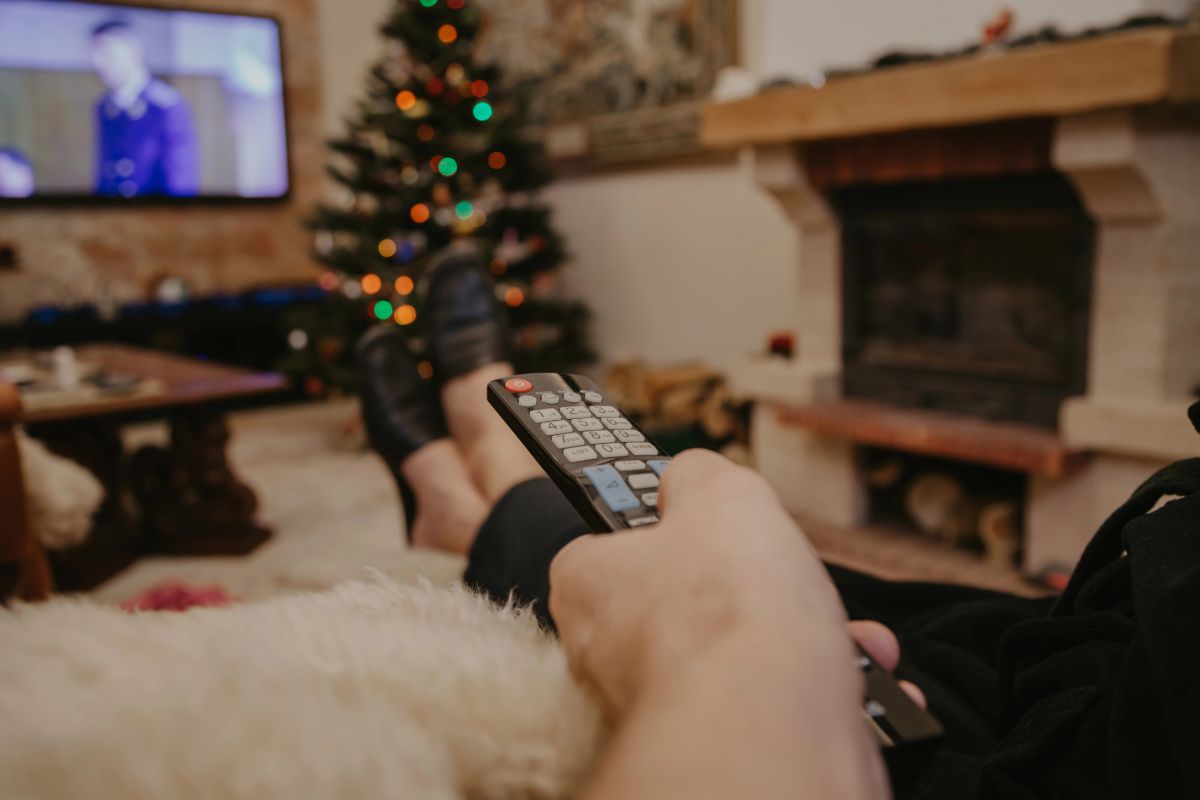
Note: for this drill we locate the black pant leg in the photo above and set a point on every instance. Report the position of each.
(511, 555)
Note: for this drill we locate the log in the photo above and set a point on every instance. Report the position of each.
(999, 529)
(934, 501)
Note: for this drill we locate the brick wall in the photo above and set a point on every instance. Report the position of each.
(77, 253)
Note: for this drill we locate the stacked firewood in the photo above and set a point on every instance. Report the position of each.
(681, 396)
(941, 503)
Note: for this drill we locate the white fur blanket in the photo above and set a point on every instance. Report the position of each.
(371, 689)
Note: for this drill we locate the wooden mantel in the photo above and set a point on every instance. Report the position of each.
(1121, 69)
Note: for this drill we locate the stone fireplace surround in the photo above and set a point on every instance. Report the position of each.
(1125, 130)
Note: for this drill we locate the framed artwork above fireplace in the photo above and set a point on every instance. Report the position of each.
(611, 82)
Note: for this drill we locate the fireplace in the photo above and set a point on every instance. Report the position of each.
(996, 268)
(969, 296)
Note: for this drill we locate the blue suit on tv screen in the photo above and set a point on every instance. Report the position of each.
(148, 148)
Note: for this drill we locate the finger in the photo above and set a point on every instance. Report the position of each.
(696, 472)
(914, 691)
(879, 642)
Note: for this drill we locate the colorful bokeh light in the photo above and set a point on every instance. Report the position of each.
(383, 310)
(447, 33)
(405, 285)
(479, 88)
(371, 284)
(447, 166)
(513, 296)
(406, 315)
(483, 111)
(426, 133)
(420, 213)
(387, 248)
(497, 160)
(406, 100)
(464, 209)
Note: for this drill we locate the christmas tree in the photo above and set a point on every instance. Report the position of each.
(433, 153)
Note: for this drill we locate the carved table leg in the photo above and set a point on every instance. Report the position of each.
(190, 499)
(115, 540)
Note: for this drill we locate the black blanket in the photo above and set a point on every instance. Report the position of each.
(1094, 694)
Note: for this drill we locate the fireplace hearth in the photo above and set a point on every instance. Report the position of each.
(969, 296)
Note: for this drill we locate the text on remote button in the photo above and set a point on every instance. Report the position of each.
(658, 466)
(611, 487)
(552, 428)
(544, 414)
(630, 466)
(617, 423)
(576, 454)
(611, 450)
(588, 424)
(643, 449)
(567, 440)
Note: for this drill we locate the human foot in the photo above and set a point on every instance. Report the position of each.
(400, 408)
(496, 458)
(467, 327)
(449, 508)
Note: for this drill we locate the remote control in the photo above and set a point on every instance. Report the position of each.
(609, 471)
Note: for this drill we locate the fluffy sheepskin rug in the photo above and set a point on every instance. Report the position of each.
(371, 689)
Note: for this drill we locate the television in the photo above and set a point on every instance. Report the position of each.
(123, 103)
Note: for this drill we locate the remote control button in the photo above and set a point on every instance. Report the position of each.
(575, 454)
(637, 522)
(575, 412)
(527, 400)
(630, 466)
(592, 397)
(650, 499)
(549, 398)
(545, 415)
(599, 437)
(567, 440)
(611, 486)
(517, 385)
(617, 424)
(647, 480)
(658, 466)
(605, 411)
(874, 709)
(611, 450)
(554, 428)
(588, 424)
(643, 449)
(571, 397)
(629, 436)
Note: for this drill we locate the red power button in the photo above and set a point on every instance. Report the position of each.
(517, 385)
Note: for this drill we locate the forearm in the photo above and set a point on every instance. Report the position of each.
(753, 715)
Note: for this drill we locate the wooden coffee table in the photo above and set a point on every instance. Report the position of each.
(179, 499)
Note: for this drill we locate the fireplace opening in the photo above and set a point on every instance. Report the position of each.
(968, 296)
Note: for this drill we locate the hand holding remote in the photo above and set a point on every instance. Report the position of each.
(726, 561)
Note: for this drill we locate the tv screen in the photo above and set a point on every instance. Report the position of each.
(123, 102)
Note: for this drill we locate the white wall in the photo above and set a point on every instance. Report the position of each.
(695, 262)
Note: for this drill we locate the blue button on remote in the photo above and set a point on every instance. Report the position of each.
(611, 486)
(659, 466)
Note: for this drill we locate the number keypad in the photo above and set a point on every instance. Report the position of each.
(583, 429)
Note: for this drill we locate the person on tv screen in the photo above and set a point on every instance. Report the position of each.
(145, 142)
(16, 173)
